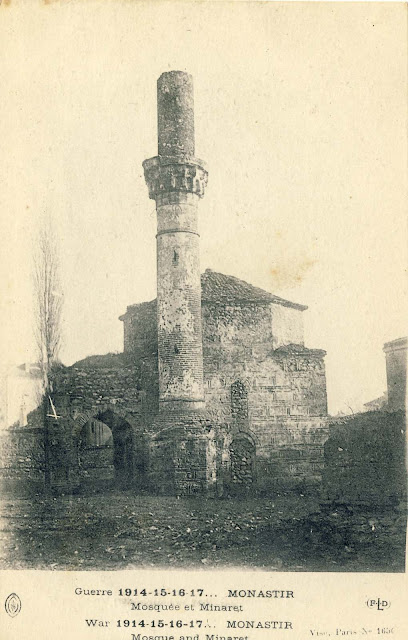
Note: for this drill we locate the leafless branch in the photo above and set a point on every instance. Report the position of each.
(48, 300)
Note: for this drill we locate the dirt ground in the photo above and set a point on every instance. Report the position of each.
(121, 530)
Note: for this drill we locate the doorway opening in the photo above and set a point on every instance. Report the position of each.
(106, 452)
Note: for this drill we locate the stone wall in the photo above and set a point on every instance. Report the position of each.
(113, 380)
(277, 397)
(118, 393)
(140, 329)
(184, 459)
(274, 397)
(22, 460)
(396, 354)
(236, 331)
(267, 407)
(365, 458)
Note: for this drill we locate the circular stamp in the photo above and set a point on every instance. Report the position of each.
(13, 605)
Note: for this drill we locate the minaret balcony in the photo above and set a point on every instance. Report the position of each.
(165, 174)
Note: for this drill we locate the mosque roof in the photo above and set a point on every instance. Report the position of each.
(220, 288)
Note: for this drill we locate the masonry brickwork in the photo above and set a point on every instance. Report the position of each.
(22, 460)
(365, 459)
(260, 390)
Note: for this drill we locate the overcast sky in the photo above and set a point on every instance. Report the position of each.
(301, 116)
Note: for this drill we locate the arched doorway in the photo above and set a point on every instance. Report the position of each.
(242, 463)
(123, 457)
(106, 455)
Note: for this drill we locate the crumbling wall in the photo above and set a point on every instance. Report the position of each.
(114, 380)
(22, 461)
(365, 458)
(140, 330)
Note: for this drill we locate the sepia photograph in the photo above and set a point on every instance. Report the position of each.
(204, 343)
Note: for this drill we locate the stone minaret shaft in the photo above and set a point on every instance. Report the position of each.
(176, 181)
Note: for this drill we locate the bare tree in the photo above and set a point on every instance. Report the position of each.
(48, 301)
(48, 314)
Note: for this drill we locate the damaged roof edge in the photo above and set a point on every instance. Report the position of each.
(133, 307)
(299, 349)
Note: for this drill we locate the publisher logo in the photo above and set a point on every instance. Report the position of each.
(379, 604)
(13, 605)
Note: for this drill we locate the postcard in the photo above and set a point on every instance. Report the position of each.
(204, 300)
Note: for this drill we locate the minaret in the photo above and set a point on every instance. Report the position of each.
(176, 180)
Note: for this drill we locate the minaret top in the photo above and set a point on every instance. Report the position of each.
(175, 169)
(175, 115)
